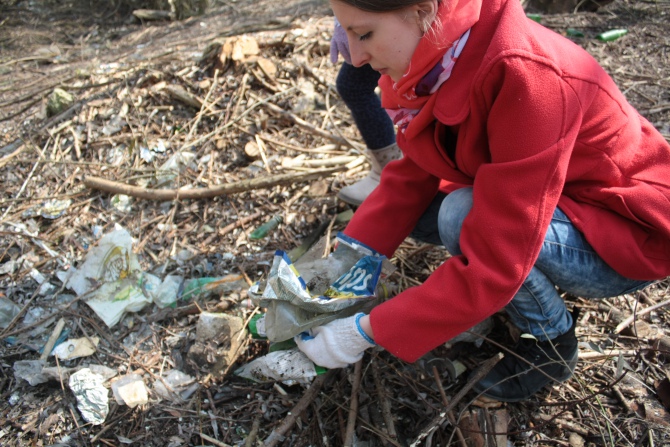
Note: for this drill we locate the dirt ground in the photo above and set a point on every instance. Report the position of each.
(154, 106)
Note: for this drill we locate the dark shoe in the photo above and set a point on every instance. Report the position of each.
(513, 379)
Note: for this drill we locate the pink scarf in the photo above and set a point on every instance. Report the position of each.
(409, 102)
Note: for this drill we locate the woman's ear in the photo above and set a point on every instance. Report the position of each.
(427, 11)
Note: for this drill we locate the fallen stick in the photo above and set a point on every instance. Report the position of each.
(173, 312)
(625, 323)
(606, 355)
(277, 435)
(205, 193)
(305, 125)
(253, 434)
(230, 227)
(214, 441)
(640, 329)
(353, 405)
(238, 223)
(384, 403)
(444, 414)
(450, 413)
(52, 340)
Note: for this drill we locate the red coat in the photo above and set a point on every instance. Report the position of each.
(540, 124)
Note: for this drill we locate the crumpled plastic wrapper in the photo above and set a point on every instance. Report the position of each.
(113, 266)
(290, 367)
(175, 386)
(314, 291)
(113, 282)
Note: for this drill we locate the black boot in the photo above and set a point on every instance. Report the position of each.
(513, 379)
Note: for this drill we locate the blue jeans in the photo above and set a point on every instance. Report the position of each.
(566, 261)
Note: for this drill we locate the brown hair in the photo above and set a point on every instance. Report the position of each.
(381, 5)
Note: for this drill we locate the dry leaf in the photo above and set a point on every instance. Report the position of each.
(267, 66)
(318, 188)
(243, 47)
(663, 392)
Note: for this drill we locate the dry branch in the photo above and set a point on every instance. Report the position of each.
(214, 441)
(444, 414)
(384, 402)
(624, 324)
(206, 193)
(353, 405)
(277, 435)
(305, 125)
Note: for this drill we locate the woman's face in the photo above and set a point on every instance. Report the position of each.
(385, 40)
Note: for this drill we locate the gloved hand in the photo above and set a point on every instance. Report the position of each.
(339, 44)
(335, 344)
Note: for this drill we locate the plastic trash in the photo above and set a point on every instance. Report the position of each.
(175, 386)
(30, 371)
(121, 202)
(92, 396)
(256, 327)
(176, 164)
(613, 34)
(59, 100)
(113, 300)
(64, 334)
(263, 230)
(8, 310)
(49, 209)
(535, 17)
(130, 390)
(204, 287)
(316, 290)
(168, 291)
(76, 348)
(106, 372)
(310, 292)
(35, 372)
(113, 266)
(287, 366)
(113, 281)
(572, 32)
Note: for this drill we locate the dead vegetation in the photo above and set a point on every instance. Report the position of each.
(190, 135)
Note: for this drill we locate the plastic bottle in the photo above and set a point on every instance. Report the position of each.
(268, 226)
(535, 17)
(573, 32)
(612, 34)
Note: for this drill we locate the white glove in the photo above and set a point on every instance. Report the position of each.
(335, 344)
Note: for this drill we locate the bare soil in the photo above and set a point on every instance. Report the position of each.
(143, 92)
